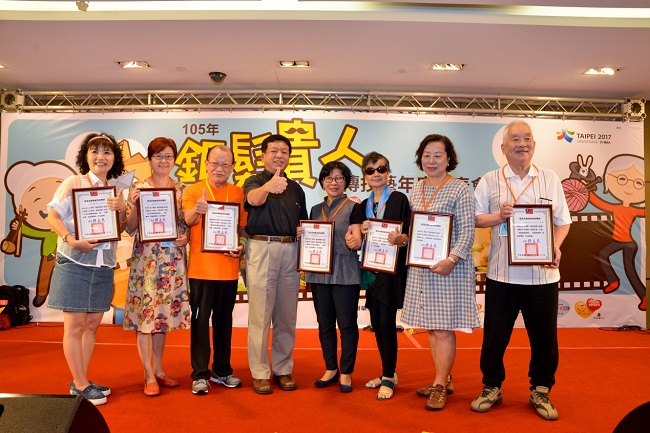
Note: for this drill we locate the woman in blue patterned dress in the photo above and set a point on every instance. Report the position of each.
(157, 301)
(442, 298)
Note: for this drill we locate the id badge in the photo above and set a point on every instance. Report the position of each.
(103, 246)
(503, 230)
(167, 244)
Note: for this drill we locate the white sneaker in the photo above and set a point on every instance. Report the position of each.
(200, 387)
(490, 396)
(542, 404)
(229, 381)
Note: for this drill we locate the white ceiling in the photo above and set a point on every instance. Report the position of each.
(385, 47)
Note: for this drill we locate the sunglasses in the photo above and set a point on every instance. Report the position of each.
(381, 169)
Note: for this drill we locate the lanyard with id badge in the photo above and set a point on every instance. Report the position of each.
(503, 229)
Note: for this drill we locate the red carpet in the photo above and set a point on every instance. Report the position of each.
(603, 376)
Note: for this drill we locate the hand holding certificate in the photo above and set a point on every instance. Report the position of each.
(220, 227)
(157, 215)
(93, 220)
(379, 254)
(316, 246)
(530, 235)
(430, 238)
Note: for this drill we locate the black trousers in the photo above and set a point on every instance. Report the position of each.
(538, 305)
(337, 303)
(217, 299)
(383, 321)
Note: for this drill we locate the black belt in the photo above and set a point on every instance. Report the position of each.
(282, 239)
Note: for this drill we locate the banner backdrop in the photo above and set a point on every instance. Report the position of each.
(603, 259)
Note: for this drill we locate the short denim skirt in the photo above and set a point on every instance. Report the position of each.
(80, 288)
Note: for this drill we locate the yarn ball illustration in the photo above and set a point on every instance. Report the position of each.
(576, 193)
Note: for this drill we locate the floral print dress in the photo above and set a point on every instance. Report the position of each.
(158, 295)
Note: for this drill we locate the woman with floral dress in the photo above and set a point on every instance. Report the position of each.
(157, 301)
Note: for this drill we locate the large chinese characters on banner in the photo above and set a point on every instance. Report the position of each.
(600, 164)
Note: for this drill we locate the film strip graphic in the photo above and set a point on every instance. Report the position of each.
(580, 267)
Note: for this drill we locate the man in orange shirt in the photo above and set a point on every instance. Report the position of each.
(213, 276)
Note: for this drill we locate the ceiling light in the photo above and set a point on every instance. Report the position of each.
(294, 63)
(2, 67)
(447, 66)
(601, 71)
(133, 64)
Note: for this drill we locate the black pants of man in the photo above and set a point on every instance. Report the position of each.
(216, 298)
(337, 303)
(538, 305)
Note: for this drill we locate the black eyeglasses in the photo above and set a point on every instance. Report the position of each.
(381, 169)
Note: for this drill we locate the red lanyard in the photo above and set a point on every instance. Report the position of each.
(322, 210)
(503, 173)
(426, 204)
(90, 181)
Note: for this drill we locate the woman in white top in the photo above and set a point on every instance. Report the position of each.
(82, 280)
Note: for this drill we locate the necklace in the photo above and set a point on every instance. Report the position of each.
(170, 181)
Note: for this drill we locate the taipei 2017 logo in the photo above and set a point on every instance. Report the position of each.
(566, 135)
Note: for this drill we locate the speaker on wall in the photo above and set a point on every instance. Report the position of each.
(37, 413)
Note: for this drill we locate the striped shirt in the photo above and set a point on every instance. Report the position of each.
(491, 192)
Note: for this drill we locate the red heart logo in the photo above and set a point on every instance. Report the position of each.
(594, 304)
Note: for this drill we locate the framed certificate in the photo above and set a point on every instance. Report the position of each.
(379, 254)
(157, 215)
(430, 238)
(92, 218)
(316, 246)
(530, 235)
(220, 227)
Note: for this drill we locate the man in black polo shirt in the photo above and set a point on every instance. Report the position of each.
(275, 206)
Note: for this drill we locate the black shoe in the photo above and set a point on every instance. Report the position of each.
(323, 383)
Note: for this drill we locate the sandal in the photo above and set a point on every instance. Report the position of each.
(383, 394)
(376, 382)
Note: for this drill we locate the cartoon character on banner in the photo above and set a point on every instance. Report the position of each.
(32, 186)
(624, 179)
(581, 181)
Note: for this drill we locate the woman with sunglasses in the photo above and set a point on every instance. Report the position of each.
(384, 291)
(442, 298)
(157, 300)
(82, 280)
(336, 295)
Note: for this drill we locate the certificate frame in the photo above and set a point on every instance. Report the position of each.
(530, 235)
(220, 227)
(316, 246)
(379, 255)
(429, 238)
(157, 215)
(93, 220)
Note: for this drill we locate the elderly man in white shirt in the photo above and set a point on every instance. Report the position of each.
(529, 289)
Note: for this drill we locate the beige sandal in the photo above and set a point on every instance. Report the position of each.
(386, 391)
(376, 382)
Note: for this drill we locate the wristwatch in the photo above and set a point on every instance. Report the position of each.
(64, 238)
(453, 260)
